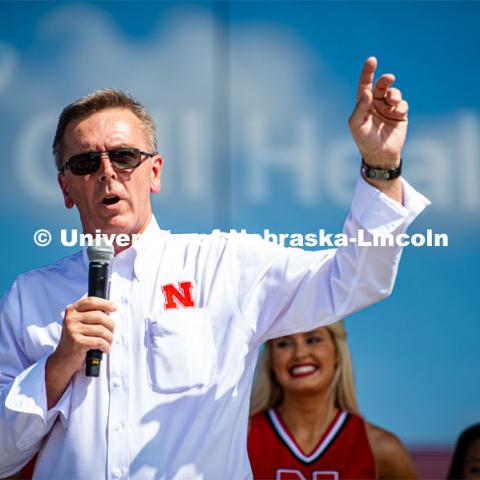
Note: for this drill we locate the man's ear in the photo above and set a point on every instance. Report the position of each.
(69, 203)
(156, 174)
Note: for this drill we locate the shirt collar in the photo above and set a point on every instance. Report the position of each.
(152, 238)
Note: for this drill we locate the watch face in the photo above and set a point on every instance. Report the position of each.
(380, 173)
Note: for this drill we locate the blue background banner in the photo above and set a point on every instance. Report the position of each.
(252, 101)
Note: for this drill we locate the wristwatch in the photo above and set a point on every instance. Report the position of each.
(375, 173)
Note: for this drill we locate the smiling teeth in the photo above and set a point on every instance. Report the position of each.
(305, 369)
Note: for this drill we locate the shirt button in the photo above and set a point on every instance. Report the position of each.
(116, 472)
(118, 427)
(124, 299)
(117, 383)
(118, 340)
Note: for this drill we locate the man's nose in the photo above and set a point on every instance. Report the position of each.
(106, 170)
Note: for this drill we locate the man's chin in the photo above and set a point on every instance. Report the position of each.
(115, 225)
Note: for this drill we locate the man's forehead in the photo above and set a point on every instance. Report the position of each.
(112, 126)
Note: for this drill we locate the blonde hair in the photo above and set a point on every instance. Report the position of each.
(267, 392)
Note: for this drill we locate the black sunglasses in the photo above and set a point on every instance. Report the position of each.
(120, 158)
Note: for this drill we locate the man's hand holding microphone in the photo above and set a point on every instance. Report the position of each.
(87, 329)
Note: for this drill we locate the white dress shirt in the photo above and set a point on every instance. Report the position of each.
(172, 397)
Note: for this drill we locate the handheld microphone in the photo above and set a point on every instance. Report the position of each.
(99, 260)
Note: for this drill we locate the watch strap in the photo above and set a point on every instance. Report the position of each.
(376, 173)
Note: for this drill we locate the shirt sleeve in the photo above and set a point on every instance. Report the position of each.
(24, 418)
(281, 291)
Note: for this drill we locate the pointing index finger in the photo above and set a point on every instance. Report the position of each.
(366, 77)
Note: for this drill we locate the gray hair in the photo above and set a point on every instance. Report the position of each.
(94, 102)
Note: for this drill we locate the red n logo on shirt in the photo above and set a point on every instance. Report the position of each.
(289, 474)
(176, 297)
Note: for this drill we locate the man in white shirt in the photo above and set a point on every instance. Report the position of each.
(187, 313)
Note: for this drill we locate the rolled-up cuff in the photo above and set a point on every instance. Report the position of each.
(378, 213)
(28, 396)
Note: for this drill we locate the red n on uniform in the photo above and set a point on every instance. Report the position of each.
(176, 297)
(286, 474)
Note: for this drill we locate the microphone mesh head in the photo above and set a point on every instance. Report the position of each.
(102, 252)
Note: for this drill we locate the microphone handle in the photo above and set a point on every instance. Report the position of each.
(97, 287)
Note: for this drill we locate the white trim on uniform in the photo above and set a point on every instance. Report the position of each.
(292, 445)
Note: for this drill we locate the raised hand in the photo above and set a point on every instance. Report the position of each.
(380, 119)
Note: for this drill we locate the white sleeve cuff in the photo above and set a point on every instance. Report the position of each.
(376, 212)
(28, 396)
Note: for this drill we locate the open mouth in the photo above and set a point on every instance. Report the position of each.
(111, 200)
(302, 370)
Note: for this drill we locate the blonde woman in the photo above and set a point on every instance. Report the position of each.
(305, 420)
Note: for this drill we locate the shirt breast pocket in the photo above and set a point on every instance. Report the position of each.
(181, 350)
